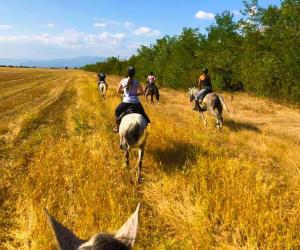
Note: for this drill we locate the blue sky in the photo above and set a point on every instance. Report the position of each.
(46, 29)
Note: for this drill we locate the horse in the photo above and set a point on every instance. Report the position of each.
(213, 103)
(133, 134)
(123, 240)
(152, 91)
(102, 87)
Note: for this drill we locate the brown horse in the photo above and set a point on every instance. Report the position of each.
(152, 91)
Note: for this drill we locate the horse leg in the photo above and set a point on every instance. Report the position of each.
(127, 157)
(146, 98)
(152, 99)
(219, 121)
(157, 94)
(218, 116)
(141, 154)
(203, 118)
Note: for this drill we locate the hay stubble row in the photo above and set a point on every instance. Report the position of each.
(238, 188)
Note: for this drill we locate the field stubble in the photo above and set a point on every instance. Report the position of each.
(203, 189)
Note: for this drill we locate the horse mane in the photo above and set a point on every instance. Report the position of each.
(108, 242)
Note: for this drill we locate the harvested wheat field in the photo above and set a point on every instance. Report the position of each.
(238, 188)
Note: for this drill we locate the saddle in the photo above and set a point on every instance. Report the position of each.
(130, 110)
(151, 89)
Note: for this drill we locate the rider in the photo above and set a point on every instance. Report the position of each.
(131, 89)
(151, 79)
(205, 85)
(101, 77)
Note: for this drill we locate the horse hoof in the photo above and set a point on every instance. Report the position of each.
(140, 180)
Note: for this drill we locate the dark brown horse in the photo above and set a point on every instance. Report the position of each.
(152, 91)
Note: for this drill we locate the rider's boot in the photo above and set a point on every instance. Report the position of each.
(116, 128)
(197, 106)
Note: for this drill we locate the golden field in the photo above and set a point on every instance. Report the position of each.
(238, 188)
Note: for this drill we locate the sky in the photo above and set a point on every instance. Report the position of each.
(48, 29)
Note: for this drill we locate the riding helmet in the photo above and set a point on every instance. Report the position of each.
(131, 71)
(205, 70)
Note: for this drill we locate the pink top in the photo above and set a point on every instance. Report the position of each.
(151, 79)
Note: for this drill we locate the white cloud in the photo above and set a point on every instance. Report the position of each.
(128, 24)
(100, 25)
(49, 25)
(134, 45)
(236, 13)
(145, 31)
(69, 39)
(204, 15)
(105, 24)
(5, 27)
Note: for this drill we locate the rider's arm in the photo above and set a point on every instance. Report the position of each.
(140, 90)
(120, 89)
(200, 81)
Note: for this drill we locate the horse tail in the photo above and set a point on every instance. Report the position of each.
(132, 134)
(224, 106)
(102, 88)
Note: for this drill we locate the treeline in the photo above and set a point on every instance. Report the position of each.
(17, 66)
(260, 51)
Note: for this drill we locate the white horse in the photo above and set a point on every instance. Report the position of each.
(102, 87)
(124, 238)
(133, 134)
(213, 103)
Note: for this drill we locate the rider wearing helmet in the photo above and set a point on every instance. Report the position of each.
(131, 89)
(205, 85)
(101, 77)
(151, 79)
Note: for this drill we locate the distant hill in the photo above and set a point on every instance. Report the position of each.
(63, 62)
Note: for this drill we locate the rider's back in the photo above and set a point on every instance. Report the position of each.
(130, 92)
(102, 76)
(151, 79)
(205, 81)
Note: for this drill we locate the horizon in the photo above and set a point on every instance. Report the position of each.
(70, 29)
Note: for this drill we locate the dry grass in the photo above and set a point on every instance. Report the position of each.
(203, 189)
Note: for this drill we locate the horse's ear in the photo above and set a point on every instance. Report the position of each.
(127, 233)
(66, 240)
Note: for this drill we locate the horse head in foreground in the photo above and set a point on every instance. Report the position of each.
(102, 87)
(133, 134)
(213, 103)
(123, 240)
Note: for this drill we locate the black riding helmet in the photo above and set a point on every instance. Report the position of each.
(205, 70)
(131, 71)
(151, 73)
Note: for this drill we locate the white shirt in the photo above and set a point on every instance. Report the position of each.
(130, 95)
